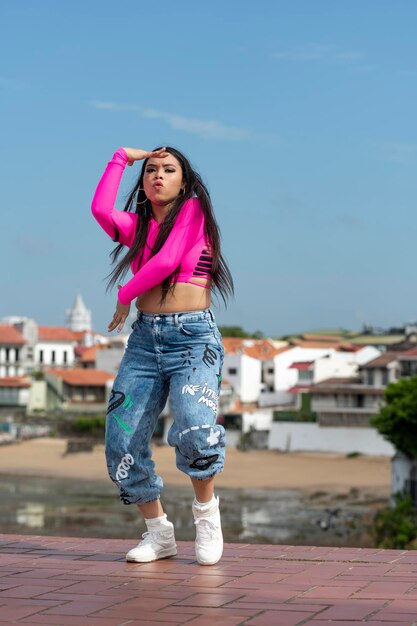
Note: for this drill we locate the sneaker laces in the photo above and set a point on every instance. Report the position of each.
(206, 529)
(148, 537)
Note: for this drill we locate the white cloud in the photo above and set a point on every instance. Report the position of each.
(325, 53)
(209, 129)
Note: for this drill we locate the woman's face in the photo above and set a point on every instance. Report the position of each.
(162, 180)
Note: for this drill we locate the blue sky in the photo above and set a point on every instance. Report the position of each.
(300, 116)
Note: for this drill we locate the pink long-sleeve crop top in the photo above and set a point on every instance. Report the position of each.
(186, 245)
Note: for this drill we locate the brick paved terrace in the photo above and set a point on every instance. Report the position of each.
(86, 582)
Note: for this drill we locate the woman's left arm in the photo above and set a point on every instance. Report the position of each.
(186, 230)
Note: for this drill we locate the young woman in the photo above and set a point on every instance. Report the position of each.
(175, 349)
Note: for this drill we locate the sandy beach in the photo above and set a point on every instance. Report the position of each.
(258, 469)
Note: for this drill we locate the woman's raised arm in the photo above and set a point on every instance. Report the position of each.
(119, 225)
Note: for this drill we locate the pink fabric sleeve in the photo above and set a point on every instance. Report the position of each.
(119, 225)
(187, 229)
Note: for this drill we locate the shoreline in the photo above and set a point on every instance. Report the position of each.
(308, 472)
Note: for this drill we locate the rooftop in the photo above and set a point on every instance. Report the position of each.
(81, 376)
(381, 361)
(346, 386)
(15, 381)
(57, 334)
(255, 348)
(86, 582)
(11, 336)
(408, 355)
(89, 355)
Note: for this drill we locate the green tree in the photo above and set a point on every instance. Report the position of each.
(396, 528)
(397, 420)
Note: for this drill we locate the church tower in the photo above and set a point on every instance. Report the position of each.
(79, 317)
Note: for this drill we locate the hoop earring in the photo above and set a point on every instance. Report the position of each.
(142, 201)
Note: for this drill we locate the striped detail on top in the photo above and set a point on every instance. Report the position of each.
(204, 264)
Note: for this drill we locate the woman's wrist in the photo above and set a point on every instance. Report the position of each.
(121, 152)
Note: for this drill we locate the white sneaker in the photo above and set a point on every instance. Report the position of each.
(157, 543)
(209, 537)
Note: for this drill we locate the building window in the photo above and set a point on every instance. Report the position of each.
(305, 376)
(65, 357)
(360, 401)
(40, 356)
(7, 354)
(270, 370)
(370, 377)
(385, 377)
(232, 371)
(53, 356)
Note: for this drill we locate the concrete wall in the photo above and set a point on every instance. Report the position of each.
(259, 420)
(37, 396)
(333, 367)
(288, 436)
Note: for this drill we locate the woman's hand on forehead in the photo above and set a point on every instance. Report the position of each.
(136, 154)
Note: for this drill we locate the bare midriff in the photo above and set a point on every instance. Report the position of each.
(185, 297)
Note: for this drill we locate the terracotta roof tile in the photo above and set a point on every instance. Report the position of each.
(89, 355)
(15, 381)
(381, 361)
(239, 407)
(349, 347)
(232, 345)
(255, 348)
(57, 333)
(79, 376)
(263, 349)
(10, 335)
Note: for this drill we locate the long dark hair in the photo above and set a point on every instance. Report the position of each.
(138, 203)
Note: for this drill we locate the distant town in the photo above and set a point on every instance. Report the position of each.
(309, 391)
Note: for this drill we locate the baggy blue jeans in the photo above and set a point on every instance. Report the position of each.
(177, 355)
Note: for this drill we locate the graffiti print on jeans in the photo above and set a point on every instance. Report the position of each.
(209, 356)
(118, 398)
(208, 396)
(124, 466)
(125, 427)
(212, 439)
(187, 355)
(204, 463)
(219, 378)
(124, 496)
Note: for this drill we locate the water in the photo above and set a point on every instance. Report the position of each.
(68, 507)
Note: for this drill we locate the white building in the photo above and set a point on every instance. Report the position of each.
(55, 347)
(79, 317)
(12, 344)
(247, 366)
(14, 392)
